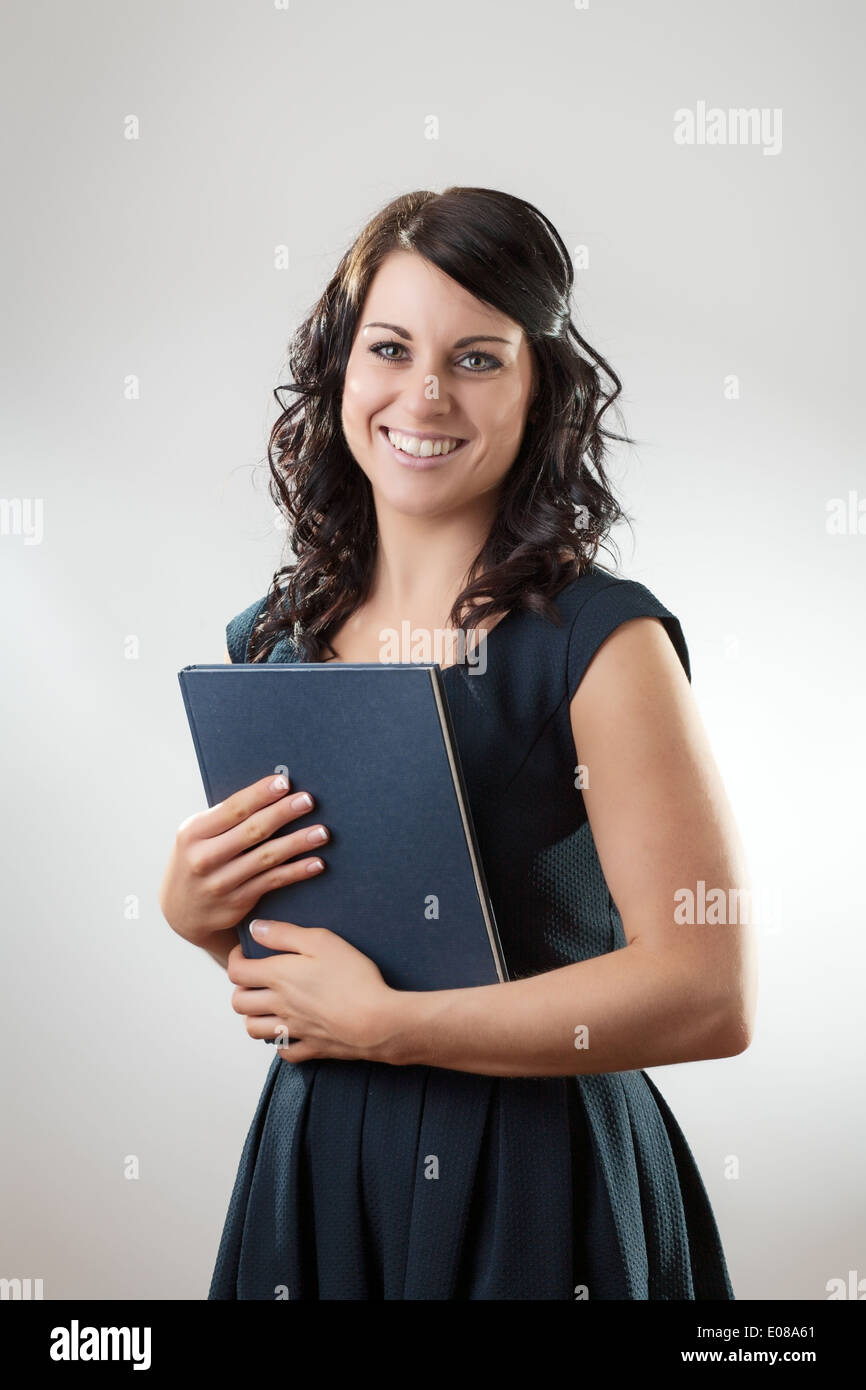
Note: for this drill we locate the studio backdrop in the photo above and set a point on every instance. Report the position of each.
(180, 181)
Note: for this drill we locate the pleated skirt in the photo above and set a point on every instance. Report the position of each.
(360, 1180)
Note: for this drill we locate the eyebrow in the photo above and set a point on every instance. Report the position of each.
(461, 342)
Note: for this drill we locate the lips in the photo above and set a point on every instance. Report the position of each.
(422, 461)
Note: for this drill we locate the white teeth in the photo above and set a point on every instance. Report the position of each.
(422, 448)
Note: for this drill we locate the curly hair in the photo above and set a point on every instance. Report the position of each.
(555, 505)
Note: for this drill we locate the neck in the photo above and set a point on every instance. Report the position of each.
(422, 563)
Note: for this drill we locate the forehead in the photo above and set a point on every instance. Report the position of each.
(411, 291)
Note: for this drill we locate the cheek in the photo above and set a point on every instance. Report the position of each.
(505, 420)
(352, 395)
(363, 389)
(354, 408)
(363, 399)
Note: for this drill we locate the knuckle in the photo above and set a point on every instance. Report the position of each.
(237, 962)
(197, 861)
(237, 904)
(253, 830)
(184, 834)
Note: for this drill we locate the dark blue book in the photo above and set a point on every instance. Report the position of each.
(374, 745)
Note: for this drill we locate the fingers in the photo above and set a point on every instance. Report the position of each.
(213, 838)
(290, 1047)
(268, 861)
(290, 806)
(269, 1026)
(258, 972)
(288, 936)
(255, 1002)
(236, 808)
(255, 888)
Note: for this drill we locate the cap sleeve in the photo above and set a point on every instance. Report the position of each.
(239, 630)
(604, 611)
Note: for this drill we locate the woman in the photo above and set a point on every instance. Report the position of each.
(443, 463)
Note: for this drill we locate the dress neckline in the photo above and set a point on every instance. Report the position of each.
(482, 645)
(455, 665)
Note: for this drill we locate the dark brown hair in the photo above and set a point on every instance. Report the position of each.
(555, 507)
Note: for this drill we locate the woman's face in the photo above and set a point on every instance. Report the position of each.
(431, 362)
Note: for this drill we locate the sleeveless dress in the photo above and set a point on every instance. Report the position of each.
(565, 1187)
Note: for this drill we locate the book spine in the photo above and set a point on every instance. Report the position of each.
(451, 748)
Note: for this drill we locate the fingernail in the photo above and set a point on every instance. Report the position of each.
(316, 835)
(303, 802)
(280, 784)
(314, 865)
(259, 928)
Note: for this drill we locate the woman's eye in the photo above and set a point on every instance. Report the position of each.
(376, 347)
(487, 357)
(492, 362)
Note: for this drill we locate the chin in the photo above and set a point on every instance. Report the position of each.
(420, 495)
(410, 501)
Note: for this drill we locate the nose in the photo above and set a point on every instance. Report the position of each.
(423, 395)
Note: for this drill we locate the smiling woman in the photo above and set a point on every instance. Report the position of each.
(429, 395)
(449, 318)
(442, 468)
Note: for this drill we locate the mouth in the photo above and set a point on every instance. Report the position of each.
(418, 451)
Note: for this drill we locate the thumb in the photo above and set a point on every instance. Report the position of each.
(281, 936)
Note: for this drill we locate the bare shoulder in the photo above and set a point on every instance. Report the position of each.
(634, 715)
(654, 795)
(635, 681)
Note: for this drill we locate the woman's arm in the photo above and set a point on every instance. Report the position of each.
(661, 822)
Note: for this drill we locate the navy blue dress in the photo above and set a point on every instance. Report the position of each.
(543, 1187)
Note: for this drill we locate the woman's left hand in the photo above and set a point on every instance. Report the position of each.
(322, 992)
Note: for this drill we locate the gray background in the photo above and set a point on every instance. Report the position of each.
(261, 127)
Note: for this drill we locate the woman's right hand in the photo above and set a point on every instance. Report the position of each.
(223, 859)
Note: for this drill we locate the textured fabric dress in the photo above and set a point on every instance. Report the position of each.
(361, 1180)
